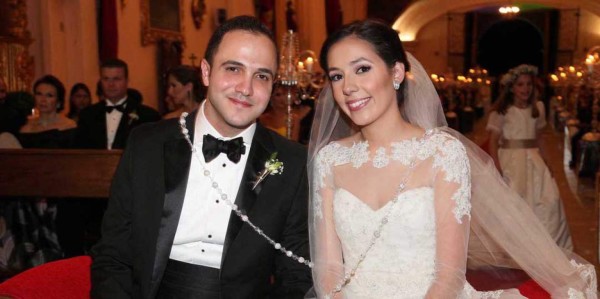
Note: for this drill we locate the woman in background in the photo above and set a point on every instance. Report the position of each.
(79, 98)
(275, 117)
(49, 129)
(184, 90)
(514, 126)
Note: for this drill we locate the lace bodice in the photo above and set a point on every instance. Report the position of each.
(404, 264)
(402, 261)
(435, 153)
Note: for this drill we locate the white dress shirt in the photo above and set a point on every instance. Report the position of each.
(112, 122)
(204, 217)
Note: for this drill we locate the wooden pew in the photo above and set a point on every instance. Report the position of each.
(57, 173)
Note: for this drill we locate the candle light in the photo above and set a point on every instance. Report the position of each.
(300, 65)
(309, 64)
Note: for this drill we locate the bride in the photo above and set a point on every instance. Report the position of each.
(400, 204)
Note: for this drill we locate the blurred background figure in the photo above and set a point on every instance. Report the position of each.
(13, 116)
(48, 128)
(79, 98)
(275, 117)
(514, 125)
(3, 90)
(184, 90)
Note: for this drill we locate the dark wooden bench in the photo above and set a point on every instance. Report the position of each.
(57, 173)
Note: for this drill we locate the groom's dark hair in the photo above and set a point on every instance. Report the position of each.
(244, 23)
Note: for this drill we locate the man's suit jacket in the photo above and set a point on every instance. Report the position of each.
(147, 195)
(91, 127)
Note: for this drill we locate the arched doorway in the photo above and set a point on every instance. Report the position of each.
(509, 43)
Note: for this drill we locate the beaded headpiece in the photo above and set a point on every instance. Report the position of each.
(511, 76)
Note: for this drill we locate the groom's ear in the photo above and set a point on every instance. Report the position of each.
(398, 71)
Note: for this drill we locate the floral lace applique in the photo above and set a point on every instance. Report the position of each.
(470, 292)
(455, 164)
(381, 159)
(448, 153)
(588, 273)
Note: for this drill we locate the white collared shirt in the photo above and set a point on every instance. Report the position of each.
(204, 217)
(112, 122)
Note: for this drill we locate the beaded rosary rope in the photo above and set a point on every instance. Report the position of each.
(377, 233)
(232, 205)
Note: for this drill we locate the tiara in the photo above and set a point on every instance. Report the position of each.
(514, 73)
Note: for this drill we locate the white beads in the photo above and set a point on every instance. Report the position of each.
(233, 206)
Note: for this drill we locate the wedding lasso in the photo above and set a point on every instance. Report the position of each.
(233, 206)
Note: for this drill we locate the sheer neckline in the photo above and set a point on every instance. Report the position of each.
(387, 203)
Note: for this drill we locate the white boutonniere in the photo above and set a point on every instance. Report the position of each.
(133, 116)
(272, 167)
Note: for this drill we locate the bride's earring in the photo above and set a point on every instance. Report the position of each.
(396, 85)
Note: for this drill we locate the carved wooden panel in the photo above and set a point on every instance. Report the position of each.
(568, 29)
(162, 20)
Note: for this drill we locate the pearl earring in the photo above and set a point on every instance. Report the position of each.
(396, 85)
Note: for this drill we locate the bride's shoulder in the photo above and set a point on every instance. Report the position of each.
(339, 151)
(443, 141)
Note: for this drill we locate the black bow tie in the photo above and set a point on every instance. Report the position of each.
(120, 108)
(212, 147)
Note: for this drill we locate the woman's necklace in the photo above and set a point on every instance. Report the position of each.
(233, 206)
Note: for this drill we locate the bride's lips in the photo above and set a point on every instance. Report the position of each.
(355, 105)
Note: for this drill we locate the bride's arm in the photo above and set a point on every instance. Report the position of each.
(452, 188)
(326, 252)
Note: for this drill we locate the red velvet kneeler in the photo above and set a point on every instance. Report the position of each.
(65, 279)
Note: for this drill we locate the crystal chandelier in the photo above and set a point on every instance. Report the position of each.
(509, 10)
(297, 71)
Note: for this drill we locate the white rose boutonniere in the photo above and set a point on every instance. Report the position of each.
(133, 116)
(272, 167)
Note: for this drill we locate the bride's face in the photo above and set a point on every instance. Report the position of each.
(362, 83)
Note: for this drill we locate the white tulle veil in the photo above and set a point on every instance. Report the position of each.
(504, 230)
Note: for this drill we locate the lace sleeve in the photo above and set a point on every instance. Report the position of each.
(326, 251)
(452, 189)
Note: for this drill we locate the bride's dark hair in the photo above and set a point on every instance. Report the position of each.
(384, 40)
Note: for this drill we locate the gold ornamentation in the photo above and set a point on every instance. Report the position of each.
(162, 20)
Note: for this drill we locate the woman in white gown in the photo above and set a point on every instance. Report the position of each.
(513, 126)
(396, 195)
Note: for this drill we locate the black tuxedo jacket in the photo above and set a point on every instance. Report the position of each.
(91, 127)
(145, 204)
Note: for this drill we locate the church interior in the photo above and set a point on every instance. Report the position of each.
(465, 45)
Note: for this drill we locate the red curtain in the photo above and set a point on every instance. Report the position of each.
(109, 37)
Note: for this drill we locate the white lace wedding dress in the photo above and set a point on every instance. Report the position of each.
(422, 244)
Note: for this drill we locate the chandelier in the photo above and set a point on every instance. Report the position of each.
(297, 71)
(509, 10)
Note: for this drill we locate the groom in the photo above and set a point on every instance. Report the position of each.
(169, 232)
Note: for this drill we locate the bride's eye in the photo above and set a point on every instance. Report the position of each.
(363, 69)
(335, 77)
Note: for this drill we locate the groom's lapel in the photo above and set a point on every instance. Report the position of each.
(177, 161)
(260, 151)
